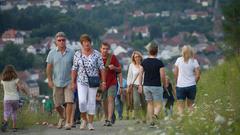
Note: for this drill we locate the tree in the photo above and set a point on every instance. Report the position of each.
(13, 54)
(155, 31)
(231, 25)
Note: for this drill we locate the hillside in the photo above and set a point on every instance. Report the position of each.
(217, 107)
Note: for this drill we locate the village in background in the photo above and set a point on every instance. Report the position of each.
(124, 38)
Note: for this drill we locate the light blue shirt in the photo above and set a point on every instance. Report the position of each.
(62, 64)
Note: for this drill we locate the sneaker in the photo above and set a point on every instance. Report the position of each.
(60, 123)
(73, 125)
(105, 123)
(137, 122)
(109, 124)
(152, 125)
(67, 127)
(14, 129)
(4, 126)
(83, 125)
(90, 126)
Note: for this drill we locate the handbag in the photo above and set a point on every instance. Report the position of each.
(130, 95)
(93, 81)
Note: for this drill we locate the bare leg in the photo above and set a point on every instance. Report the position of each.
(150, 110)
(72, 114)
(190, 105)
(90, 118)
(60, 111)
(69, 109)
(110, 107)
(180, 106)
(84, 116)
(157, 108)
(105, 107)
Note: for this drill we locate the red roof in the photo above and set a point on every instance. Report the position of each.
(11, 33)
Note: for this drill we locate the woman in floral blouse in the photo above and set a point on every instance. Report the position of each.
(90, 61)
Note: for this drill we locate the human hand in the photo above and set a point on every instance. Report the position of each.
(73, 86)
(50, 84)
(103, 86)
(120, 90)
(140, 89)
(111, 67)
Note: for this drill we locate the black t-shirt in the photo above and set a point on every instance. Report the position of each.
(151, 67)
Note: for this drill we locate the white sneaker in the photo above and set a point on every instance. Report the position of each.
(83, 125)
(90, 126)
(68, 126)
(60, 123)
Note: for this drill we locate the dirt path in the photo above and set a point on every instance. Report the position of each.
(123, 127)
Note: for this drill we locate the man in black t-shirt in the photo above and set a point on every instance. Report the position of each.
(154, 79)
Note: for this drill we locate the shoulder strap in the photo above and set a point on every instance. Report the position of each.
(135, 78)
(109, 57)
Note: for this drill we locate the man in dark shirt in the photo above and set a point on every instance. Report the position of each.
(154, 79)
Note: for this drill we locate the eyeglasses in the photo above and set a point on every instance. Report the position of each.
(61, 40)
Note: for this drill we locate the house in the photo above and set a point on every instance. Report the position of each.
(86, 6)
(5, 5)
(138, 13)
(143, 30)
(31, 49)
(170, 52)
(148, 15)
(165, 13)
(118, 50)
(23, 5)
(57, 3)
(13, 36)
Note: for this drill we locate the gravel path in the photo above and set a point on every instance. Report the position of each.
(123, 127)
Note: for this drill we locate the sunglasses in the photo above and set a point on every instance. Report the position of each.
(61, 40)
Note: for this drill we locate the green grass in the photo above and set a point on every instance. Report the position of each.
(25, 118)
(218, 94)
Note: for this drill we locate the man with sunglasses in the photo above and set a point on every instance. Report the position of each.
(59, 64)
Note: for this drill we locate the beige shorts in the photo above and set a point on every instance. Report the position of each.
(62, 95)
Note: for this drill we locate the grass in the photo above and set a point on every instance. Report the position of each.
(216, 109)
(25, 118)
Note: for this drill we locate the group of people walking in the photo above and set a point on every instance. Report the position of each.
(69, 72)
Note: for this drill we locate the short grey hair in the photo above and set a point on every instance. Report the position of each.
(60, 34)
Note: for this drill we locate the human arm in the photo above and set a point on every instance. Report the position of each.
(120, 82)
(140, 86)
(103, 78)
(175, 72)
(49, 75)
(74, 80)
(197, 74)
(163, 77)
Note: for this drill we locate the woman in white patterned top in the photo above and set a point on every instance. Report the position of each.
(90, 61)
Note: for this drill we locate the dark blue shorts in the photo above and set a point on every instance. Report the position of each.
(186, 92)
